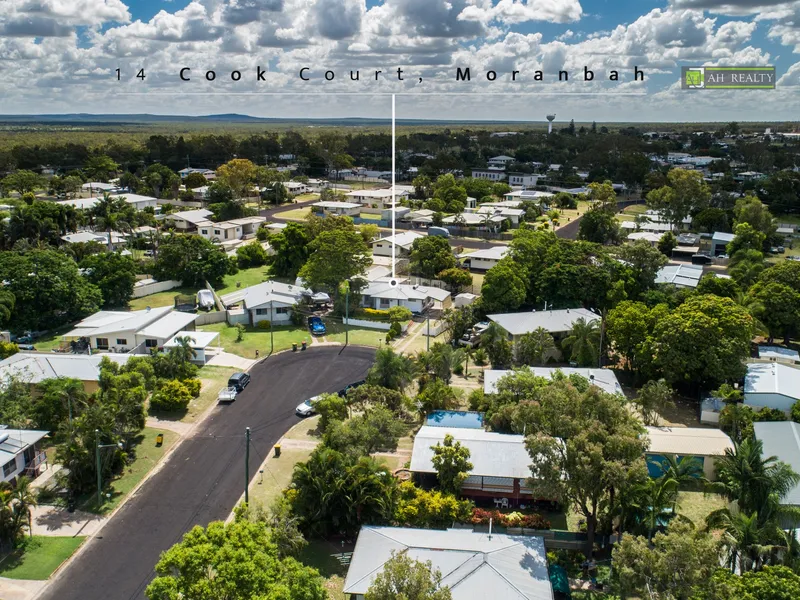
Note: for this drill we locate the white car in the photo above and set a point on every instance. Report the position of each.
(306, 409)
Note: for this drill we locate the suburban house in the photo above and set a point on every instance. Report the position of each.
(514, 215)
(471, 219)
(474, 565)
(34, 367)
(187, 220)
(269, 301)
(496, 174)
(382, 295)
(101, 237)
(295, 188)
(351, 209)
(520, 195)
(200, 193)
(202, 342)
(702, 444)
(98, 187)
(650, 237)
(402, 243)
(778, 354)
(207, 173)
(235, 229)
(317, 185)
(782, 439)
(522, 179)
(138, 202)
(556, 322)
(719, 242)
(501, 464)
(120, 331)
(378, 199)
(605, 379)
(771, 384)
(500, 161)
(20, 453)
(682, 276)
(483, 260)
(81, 203)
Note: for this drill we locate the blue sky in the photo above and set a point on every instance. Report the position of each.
(62, 55)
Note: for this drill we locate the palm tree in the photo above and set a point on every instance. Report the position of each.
(686, 471)
(184, 350)
(755, 482)
(392, 370)
(23, 499)
(652, 503)
(584, 342)
(754, 308)
(747, 540)
(536, 346)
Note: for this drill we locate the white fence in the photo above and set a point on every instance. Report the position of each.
(436, 328)
(139, 291)
(373, 324)
(210, 317)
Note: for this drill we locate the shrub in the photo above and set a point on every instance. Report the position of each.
(375, 315)
(395, 329)
(480, 357)
(193, 385)
(796, 412)
(265, 325)
(171, 396)
(240, 330)
(297, 318)
(8, 349)
(481, 516)
(421, 508)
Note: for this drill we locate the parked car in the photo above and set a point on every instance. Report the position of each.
(701, 259)
(316, 326)
(239, 381)
(227, 394)
(306, 409)
(344, 390)
(438, 231)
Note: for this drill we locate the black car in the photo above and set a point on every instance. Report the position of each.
(701, 259)
(343, 391)
(239, 381)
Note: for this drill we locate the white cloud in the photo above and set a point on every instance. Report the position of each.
(520, 11)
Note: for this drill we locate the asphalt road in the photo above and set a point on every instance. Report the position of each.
(204, 477)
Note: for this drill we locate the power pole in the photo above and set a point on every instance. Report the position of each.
(97, 465)
(247, 467)
(428, 337)
(346, 315)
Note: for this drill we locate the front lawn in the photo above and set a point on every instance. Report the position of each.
(38, 557)
(297, 214)
(213, 379)
(277, 475)
(331, 560)
(147, 455)
(52, 340)
(257, 339)
(361, 336)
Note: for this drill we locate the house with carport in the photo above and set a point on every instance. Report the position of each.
(385, 293)
(605, 379)
(21, 453)
(205, 344)
(187, 220)
(271, 301)
(483, 260)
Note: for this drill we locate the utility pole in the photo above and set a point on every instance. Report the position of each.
(602, 331)
(97, 466)
(346, 314)
(247, 467)
(428, 337)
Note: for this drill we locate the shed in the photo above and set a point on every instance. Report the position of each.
(202, 342)
(719, 242)
(772, 384)
(699, 443)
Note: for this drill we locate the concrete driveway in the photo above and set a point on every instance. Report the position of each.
(203, 478)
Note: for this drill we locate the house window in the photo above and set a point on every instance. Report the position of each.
(282, 310)
(385, 303)
(216, 232)
(122, 342)
(102, 343)
(262, 311)
(150, 343)
(10, 467)
(204, 231)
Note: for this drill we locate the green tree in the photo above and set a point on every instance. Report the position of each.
(237, 561)
(583, 445)
(431, 255)
(239, 174)
(751, 210)
(23, 181)
(677, 564)
(437, 395)
(376, 430)
(456, 279)
(451, 193)
(251, 255)
(291, 250)
(583, 342)
(100, 167)
(778, 309)
(599, 225)
(403, 578)
(171, 396)
(336, 256)
(194, 181)
(191, 259)
(55, 399)
(645, 262)
(654, 397)
(504, 288)
(746, 238)
(451, 461)
(719, 286)
(423, 187)
(421, 508)
(114, 274)
(685, 193)
(391, 370)
(534, 348)
(745, 536)
(629, 326)
(332, 409)
(284, 528)
(770, 583)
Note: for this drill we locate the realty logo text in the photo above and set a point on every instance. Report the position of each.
(728, 78)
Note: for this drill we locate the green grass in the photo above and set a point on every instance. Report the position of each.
(38, 557)
(304, 197)
(362, 336)
(697, 505)
(322, 555)
(245, 277)
(257, 339)
(299, 214)
(213, 380)
(277, 476)
(166, 298)
(147, 455)
(52, 340)
(370, 216)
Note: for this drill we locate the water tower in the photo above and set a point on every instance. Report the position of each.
(550, 119)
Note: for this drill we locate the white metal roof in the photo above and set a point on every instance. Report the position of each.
(642, 235)
(14, 441)
(681, 275)
(605, 379)
(326, 204)
(93, 236)
(688, 441)
(135, 198)
(36, 367)
(772, 378)
(778, 352)
(720, 236)
(269, 291)
(493, 253)
(199, 339)
(403, 291)
(190, 216)
(491, 454)
(98, 185)
(107, 322)
(82, 203)
(782, 439)
(168, 325)
(404, 240)
(554, 321)
(475, 566)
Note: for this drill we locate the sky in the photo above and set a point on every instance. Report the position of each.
(62, 56)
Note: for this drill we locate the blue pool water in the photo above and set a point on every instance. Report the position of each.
(454, 418)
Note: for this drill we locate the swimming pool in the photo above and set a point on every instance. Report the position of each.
(455, 418)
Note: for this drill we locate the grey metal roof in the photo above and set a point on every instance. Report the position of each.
(269, 291)
(605, 379)
(554, 321)
(35, 367)
(681, 275)
(720, 236)
(14, 441)
(491, 454)
(782, 439)
(772, 378)
(168, 325)
(106, 322)
(475, 566)
(198, 339)
(493, 253)
(778, 352)
(403, 291)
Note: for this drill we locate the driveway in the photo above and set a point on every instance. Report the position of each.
(204, 477)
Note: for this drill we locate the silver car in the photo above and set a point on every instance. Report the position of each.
(306, 409)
